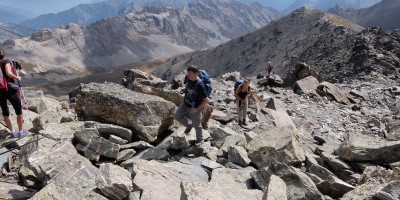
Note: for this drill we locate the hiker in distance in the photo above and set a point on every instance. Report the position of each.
(193, 103)
(242, 92)
(269, 69)
(11, 94)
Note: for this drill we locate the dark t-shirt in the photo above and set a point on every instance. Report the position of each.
(195, 92)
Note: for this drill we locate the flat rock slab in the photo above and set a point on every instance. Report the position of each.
(62, 131)
(12, 191)
(73, 175)
(216, 191)
(281, 144)
(361, 148)
(161, 180)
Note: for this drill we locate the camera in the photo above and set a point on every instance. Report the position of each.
(17, 65)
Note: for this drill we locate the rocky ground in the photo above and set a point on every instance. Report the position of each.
(312, 140)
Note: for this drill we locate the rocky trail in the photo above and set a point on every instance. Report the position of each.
(312, 140)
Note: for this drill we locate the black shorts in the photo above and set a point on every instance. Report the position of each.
(14, 99)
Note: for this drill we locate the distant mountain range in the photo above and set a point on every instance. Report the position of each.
(81, 14)
(145, 34)
(326, 4)
(385, 14)
(13, 31)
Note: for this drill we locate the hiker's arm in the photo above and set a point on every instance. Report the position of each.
(248, 93)
(202, 104)
(10, 73)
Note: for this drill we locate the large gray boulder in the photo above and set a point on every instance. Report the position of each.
(211, 190)
(47, 117)
(161, 180)
(52, 192)
(72, 174)
(135, 76)
(280, 144)
(275, 111)
(298, 184)
(115, 182)
(376, 183)
(306, 85)
(14, 191)
(38, 103)
(173, 96)
(145, 115)
(334, 187)
(332, 92)
(241, 177)
(300, 71)
(238, 155)
(219, 135)
(276, 189)
(359, 147)
(107, 130)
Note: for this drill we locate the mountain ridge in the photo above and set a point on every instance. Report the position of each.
(325, 5)
(143, 35)
(384, 14)
(13, 31)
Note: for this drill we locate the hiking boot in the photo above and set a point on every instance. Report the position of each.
(23, 133)
(240, 122)
(199, 142)
(14, 134)
(244, 122)
(188, 129)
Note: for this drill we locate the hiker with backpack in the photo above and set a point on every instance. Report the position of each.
(242, 92)
(9, 91)
(196, 98)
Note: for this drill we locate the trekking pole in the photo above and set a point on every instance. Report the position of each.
(12, 149)
(23, 99)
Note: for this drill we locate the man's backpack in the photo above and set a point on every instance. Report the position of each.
(238, 82)
(206, 80)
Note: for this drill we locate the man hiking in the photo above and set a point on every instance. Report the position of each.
(242, 92)
(11, 94)
(193, 103)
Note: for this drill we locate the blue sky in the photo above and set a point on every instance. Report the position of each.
(36, 7)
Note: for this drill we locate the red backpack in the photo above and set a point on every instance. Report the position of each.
(3, 79)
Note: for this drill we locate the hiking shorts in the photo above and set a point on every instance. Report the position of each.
(14, 99)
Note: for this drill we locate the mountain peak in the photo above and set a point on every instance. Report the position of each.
(305, 35)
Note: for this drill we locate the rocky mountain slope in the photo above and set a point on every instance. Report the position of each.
(13, 31)
(313, 140)
(336, 47)
(325, 5)
(137, 36)
(82, 14)
(384, 14)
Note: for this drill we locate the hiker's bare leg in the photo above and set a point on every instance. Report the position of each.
(20, 122)
(8, 122)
